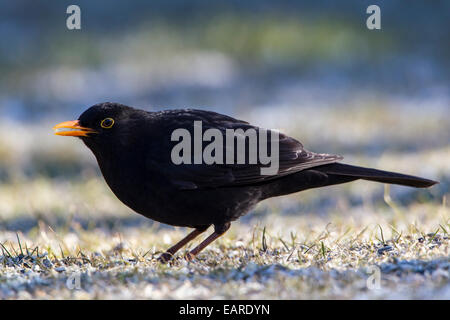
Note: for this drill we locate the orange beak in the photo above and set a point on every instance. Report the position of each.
(72, 128)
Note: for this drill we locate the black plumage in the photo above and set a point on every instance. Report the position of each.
(134, 155)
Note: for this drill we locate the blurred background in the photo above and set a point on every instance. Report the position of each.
(312, 69)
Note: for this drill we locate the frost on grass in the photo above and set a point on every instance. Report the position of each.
(282, 257)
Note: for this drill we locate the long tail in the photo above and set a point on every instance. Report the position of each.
(345, 170)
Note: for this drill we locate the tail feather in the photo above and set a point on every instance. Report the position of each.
(341, 169)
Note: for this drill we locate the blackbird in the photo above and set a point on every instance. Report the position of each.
(134, 149)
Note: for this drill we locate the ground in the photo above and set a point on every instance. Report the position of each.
(290, 258)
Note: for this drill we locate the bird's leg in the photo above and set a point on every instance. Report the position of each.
(166, 256)
(218, 231)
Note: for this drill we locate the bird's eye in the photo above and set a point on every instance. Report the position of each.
(107, 123)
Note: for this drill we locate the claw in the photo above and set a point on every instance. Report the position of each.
(189, 256)
(165, 257)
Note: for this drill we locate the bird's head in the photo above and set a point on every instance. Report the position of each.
(100, 124)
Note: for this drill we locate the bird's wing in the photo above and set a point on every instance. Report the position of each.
(292, 156)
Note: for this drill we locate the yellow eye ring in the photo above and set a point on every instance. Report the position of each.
(107, 123)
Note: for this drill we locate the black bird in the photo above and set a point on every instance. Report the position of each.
(133, 149)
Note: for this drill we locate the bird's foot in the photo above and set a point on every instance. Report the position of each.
(189, 256)
(165, 257)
